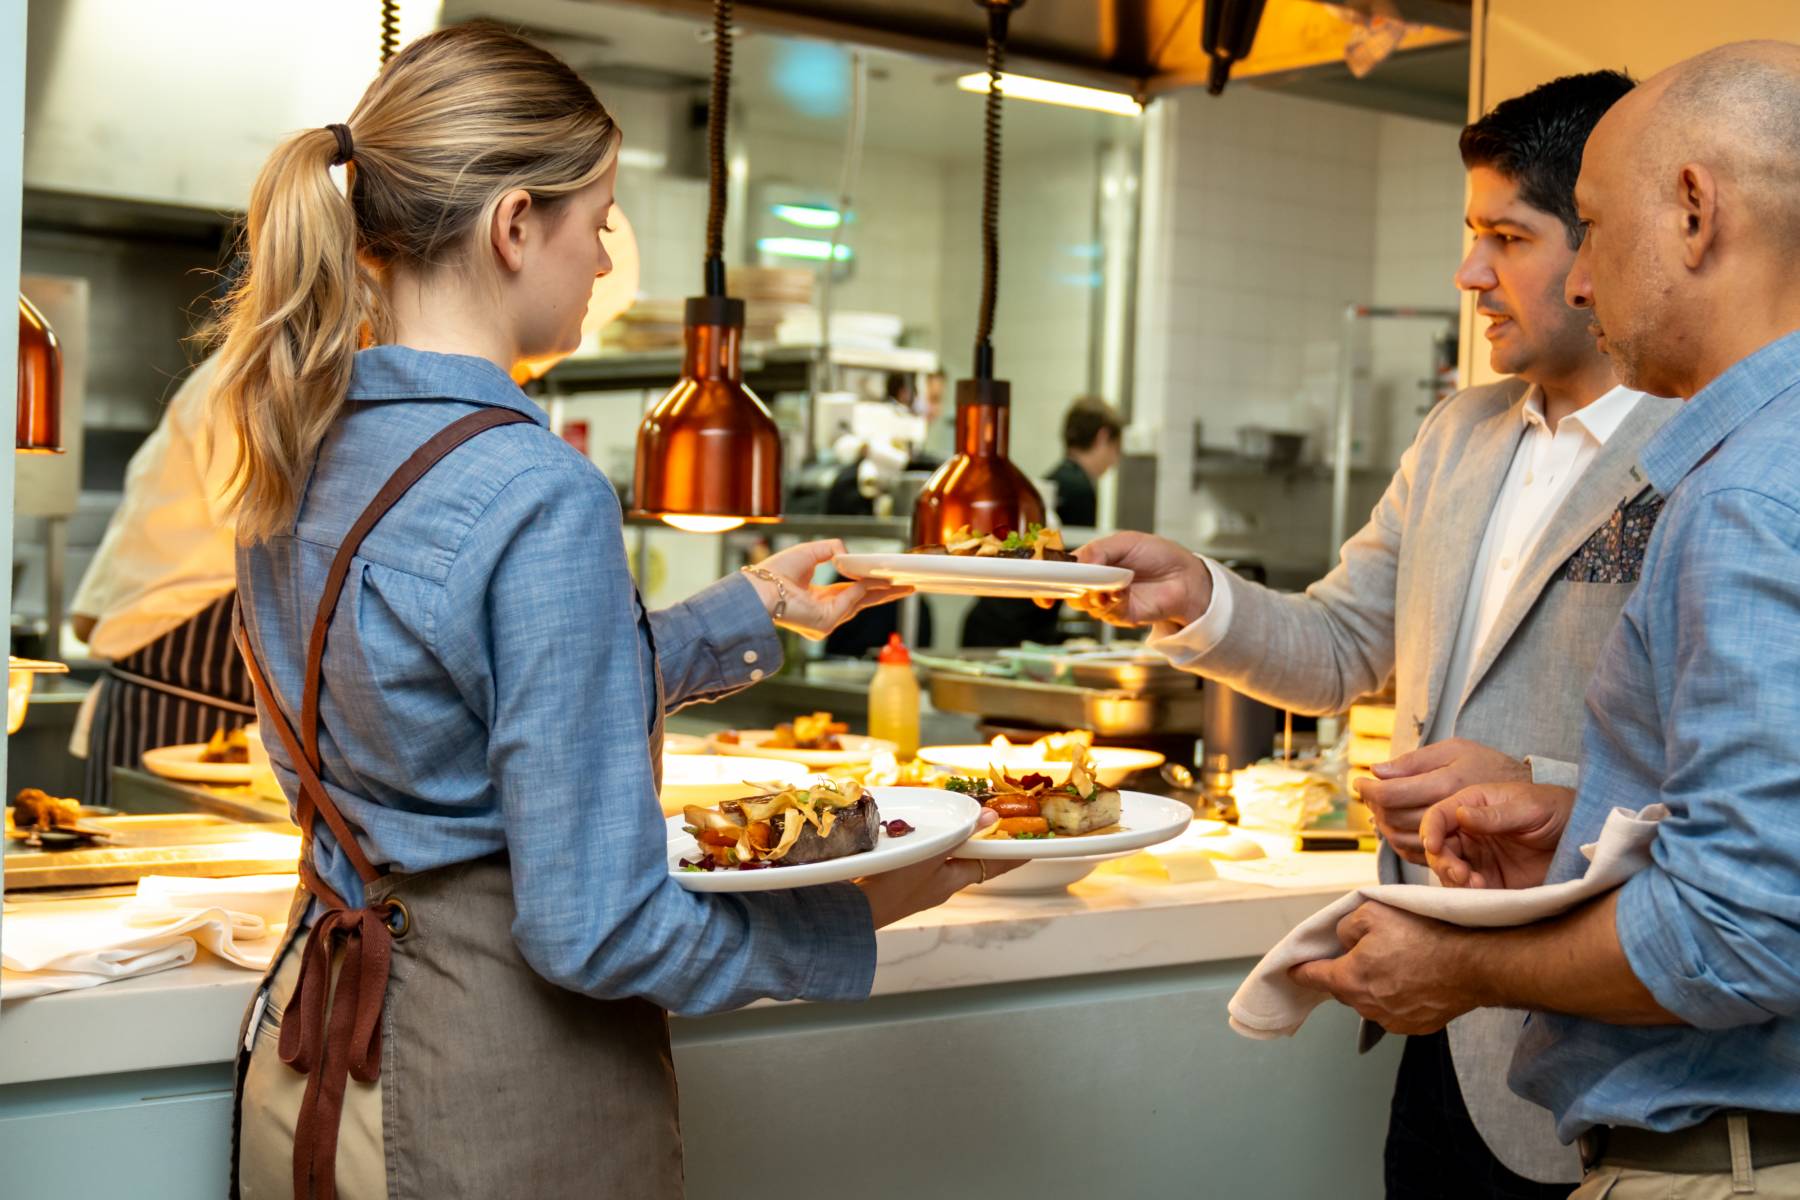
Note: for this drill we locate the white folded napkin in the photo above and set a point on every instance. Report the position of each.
(1270, 1005)
(68, 944)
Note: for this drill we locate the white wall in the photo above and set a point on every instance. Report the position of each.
(1265, 216)
(182, 103)
(1419, 193)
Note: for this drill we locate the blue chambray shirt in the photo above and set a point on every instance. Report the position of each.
(1696, 703)
(490, 683)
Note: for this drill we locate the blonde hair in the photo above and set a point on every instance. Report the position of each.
(455, 121)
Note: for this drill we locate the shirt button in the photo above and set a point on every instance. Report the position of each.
(750, 658)
(1506, 563)
(756, 675)
(1528, 478)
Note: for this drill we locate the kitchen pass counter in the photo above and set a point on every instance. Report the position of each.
(1110, 997)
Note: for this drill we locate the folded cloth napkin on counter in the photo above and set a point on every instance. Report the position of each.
(63, 945)
(1270, 1005)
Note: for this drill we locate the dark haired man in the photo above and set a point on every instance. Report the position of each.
(1092, 430)
(1484, 583)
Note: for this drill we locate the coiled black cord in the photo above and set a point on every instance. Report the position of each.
(717, 110)
(998, 11)
(390, 29)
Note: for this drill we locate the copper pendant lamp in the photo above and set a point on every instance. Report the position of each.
(980, 486)
(39, 424)
(708, 452)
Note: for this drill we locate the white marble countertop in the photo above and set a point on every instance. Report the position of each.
(1128, 915)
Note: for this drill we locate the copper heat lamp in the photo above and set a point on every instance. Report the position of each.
(980, 486)
(39, 425)
(708, 453)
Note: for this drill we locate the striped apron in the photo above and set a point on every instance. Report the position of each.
(181, 688)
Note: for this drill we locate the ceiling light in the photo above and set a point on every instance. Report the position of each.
(807, 216)
(798, 247)
(1069, 95)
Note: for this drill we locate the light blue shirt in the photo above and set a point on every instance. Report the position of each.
(490, 683)
(1696, 703)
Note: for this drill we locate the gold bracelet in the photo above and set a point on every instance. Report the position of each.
(781, 594)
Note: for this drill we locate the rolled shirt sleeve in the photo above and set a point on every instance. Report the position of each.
(552, 657)
(719, 641)
(1712, 927)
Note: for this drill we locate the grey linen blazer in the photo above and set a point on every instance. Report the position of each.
(1391, 609)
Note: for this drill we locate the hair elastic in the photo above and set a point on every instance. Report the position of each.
(346, 149)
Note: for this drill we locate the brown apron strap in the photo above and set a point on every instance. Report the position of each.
(333, 1034)
(410, 472)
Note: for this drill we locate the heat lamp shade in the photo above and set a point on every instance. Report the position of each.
(39, 418)
(709, 448)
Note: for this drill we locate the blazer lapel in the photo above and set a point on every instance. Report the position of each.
(1612, 479)
(1458, 519)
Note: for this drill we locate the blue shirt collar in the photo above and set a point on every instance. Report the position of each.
(1715, 413)
(383, 373)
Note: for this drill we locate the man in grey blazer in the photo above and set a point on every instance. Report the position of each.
(1483, 585)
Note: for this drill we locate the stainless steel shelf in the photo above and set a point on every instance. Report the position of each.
(1049, 705)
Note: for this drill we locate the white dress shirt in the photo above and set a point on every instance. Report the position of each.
(170, 548)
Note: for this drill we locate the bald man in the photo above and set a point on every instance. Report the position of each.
(1665, 1026)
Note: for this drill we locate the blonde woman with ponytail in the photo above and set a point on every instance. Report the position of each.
(463, 694)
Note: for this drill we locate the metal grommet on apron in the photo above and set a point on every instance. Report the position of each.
(399, 919)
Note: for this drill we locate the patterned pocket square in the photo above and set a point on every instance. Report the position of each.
(1615, 553)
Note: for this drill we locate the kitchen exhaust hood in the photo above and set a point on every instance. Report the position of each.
(1142, 47)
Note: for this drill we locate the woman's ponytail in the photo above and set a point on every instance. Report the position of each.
(292, 327)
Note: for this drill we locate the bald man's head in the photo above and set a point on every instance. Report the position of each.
(1690, 192)
(1737, 110)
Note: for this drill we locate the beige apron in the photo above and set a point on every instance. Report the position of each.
(405, 1049)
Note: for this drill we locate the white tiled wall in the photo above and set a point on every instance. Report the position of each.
(1418, 242)
(1265, 217)
(896, 236)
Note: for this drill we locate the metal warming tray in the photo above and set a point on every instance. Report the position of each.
(1108, 712)
(184, 844)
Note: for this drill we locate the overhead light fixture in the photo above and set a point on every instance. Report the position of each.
(1048, 91)
(39, 422)
(708, 452)
(807, 216)
(798, 247)
(980, 486)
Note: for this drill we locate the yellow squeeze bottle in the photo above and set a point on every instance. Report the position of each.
(894, 700)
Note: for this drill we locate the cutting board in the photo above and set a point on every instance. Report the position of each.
(183, 844)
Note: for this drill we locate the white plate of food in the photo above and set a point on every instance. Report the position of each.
(815, 740)
(1052, 755)
(709, 779)
(871, 830)
(1029, 566)
(1080, 818)
(683, 743)
(223, 759)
